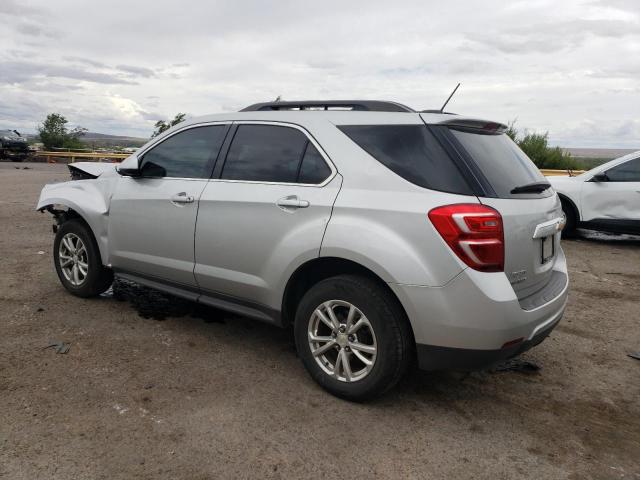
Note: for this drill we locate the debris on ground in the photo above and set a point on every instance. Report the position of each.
(517, 365)
(60, 347)
(108, 293)
(40, 252)
(153, 304)
(635, 355)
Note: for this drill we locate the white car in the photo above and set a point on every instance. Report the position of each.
(605, 198)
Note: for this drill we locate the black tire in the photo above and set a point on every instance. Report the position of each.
(569, 229)
(395, 344)
(98, 278)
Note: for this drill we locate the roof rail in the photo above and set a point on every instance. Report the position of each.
(360, 105)
(437, 111)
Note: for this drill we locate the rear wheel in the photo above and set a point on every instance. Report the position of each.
(77, 260)
(353, 337)
(569, 229)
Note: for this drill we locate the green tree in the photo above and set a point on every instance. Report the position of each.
(512, 131)
(54, 133)
(536, 146)
(162, 126)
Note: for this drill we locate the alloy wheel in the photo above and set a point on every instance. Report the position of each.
(73, 258)
(342, 340)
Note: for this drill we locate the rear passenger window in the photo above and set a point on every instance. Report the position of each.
(412, 152)
(187, 154)
(314, 169)
(265, 153)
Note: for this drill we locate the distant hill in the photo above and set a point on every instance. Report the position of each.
(104, 140)
(598, 152)
(592, 157)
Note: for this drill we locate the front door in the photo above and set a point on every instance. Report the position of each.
(152, 217)
(617, 198)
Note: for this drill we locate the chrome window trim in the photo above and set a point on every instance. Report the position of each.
(310, 138)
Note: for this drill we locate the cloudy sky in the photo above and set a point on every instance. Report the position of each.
(569, 67)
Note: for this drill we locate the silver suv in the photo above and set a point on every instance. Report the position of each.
(380, 234)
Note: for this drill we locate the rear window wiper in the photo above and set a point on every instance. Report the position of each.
(536, 187)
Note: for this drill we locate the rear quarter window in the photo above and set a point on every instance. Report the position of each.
(412, 152)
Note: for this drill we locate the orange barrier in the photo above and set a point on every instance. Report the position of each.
(100, 156)
(554, 173)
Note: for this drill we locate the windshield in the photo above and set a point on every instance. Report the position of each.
(504, 165)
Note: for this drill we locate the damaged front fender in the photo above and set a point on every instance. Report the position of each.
(87, 198)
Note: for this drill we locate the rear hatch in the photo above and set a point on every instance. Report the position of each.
(476, 160)
(529, 207)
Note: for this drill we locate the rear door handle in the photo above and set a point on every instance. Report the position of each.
(292, 201)
(182, 197)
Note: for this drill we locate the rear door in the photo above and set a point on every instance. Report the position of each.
(152, 218)
(530, 220)
(617, 198)
(265, 213)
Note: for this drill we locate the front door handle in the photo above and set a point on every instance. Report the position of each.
(182, 197)
(292, 201)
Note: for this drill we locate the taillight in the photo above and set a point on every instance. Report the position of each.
(474, 232)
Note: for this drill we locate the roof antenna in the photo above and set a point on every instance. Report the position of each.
(452, 93)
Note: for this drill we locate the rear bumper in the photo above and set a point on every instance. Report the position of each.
(431, 357)
(465, 323)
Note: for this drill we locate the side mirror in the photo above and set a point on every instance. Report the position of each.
(129, 172)
(130, 167)
(600, 177)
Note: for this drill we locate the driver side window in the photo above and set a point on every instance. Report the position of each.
(188, 154)
(626, 172)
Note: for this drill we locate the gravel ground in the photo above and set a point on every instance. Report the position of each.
(154, 387)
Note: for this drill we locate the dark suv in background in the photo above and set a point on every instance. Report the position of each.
(13, 146)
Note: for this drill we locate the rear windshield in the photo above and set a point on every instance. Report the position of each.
(412, 152)
(501, 161)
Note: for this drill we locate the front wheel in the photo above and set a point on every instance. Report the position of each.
(569, 229)
(77, 260)
(353, 337)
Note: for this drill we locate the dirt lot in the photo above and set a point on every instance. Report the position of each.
(154, 387)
